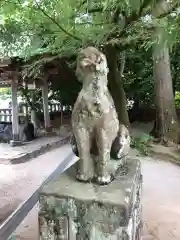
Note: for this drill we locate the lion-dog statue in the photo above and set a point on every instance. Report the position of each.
(97, 135)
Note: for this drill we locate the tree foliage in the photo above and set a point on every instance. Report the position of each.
(31, 28)
(138, 77)
(35, 27)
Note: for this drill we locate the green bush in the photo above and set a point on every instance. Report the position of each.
(177, 99)
(142, 144)
(5, 93)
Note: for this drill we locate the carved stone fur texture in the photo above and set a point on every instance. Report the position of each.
(94, 118)
(119, 149)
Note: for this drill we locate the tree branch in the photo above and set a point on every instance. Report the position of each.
(25, 93)
(78, 8)
(124, 43)
(81, 4)
(94, 24)
(135, 15)
(123, 61)
(167, 9)
(116, 15)
(57, 24)
(95, 10)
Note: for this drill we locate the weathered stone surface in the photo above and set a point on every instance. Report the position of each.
(97, 133)
(72, 210)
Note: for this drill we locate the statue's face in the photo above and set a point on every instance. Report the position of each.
(90, 60)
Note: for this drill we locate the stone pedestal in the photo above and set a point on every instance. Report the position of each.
(71, 210)
(14, 143)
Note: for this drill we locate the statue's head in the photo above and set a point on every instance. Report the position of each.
(91, 61)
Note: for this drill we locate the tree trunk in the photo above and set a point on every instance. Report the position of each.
(61, 114)
(166, 123)
(174, 80)
(34, 121)
(166, 127)
(116, 86)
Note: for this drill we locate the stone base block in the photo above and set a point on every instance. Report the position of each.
(14, 143)
(72, 210)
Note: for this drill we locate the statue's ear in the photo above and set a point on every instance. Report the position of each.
(86, 62)
(101, 65)
(98, 63)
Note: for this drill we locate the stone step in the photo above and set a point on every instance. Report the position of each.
(20, 154)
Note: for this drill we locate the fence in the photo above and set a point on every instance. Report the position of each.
(6, 114)
(54, 107)
(14, 220)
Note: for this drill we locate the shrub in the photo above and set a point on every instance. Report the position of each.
(142, 144)
(177, 99)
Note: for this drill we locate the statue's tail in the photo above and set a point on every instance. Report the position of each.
(121, 145)
(74, 146)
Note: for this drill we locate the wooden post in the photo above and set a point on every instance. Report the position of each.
(45, 106)
(61, 114)
(15, 119)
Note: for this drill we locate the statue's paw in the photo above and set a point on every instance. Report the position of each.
(83, 177)
(104, 180)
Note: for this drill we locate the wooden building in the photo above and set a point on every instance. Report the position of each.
(10, 76)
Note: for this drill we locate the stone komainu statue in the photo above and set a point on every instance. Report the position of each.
(98, 137)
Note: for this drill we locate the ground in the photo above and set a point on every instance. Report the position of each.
(161, 208)
(161, 197)
(30, 149)
(19, 181)
(161, 193)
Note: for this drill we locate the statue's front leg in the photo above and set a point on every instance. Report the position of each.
(104, 145)
(85, 165)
